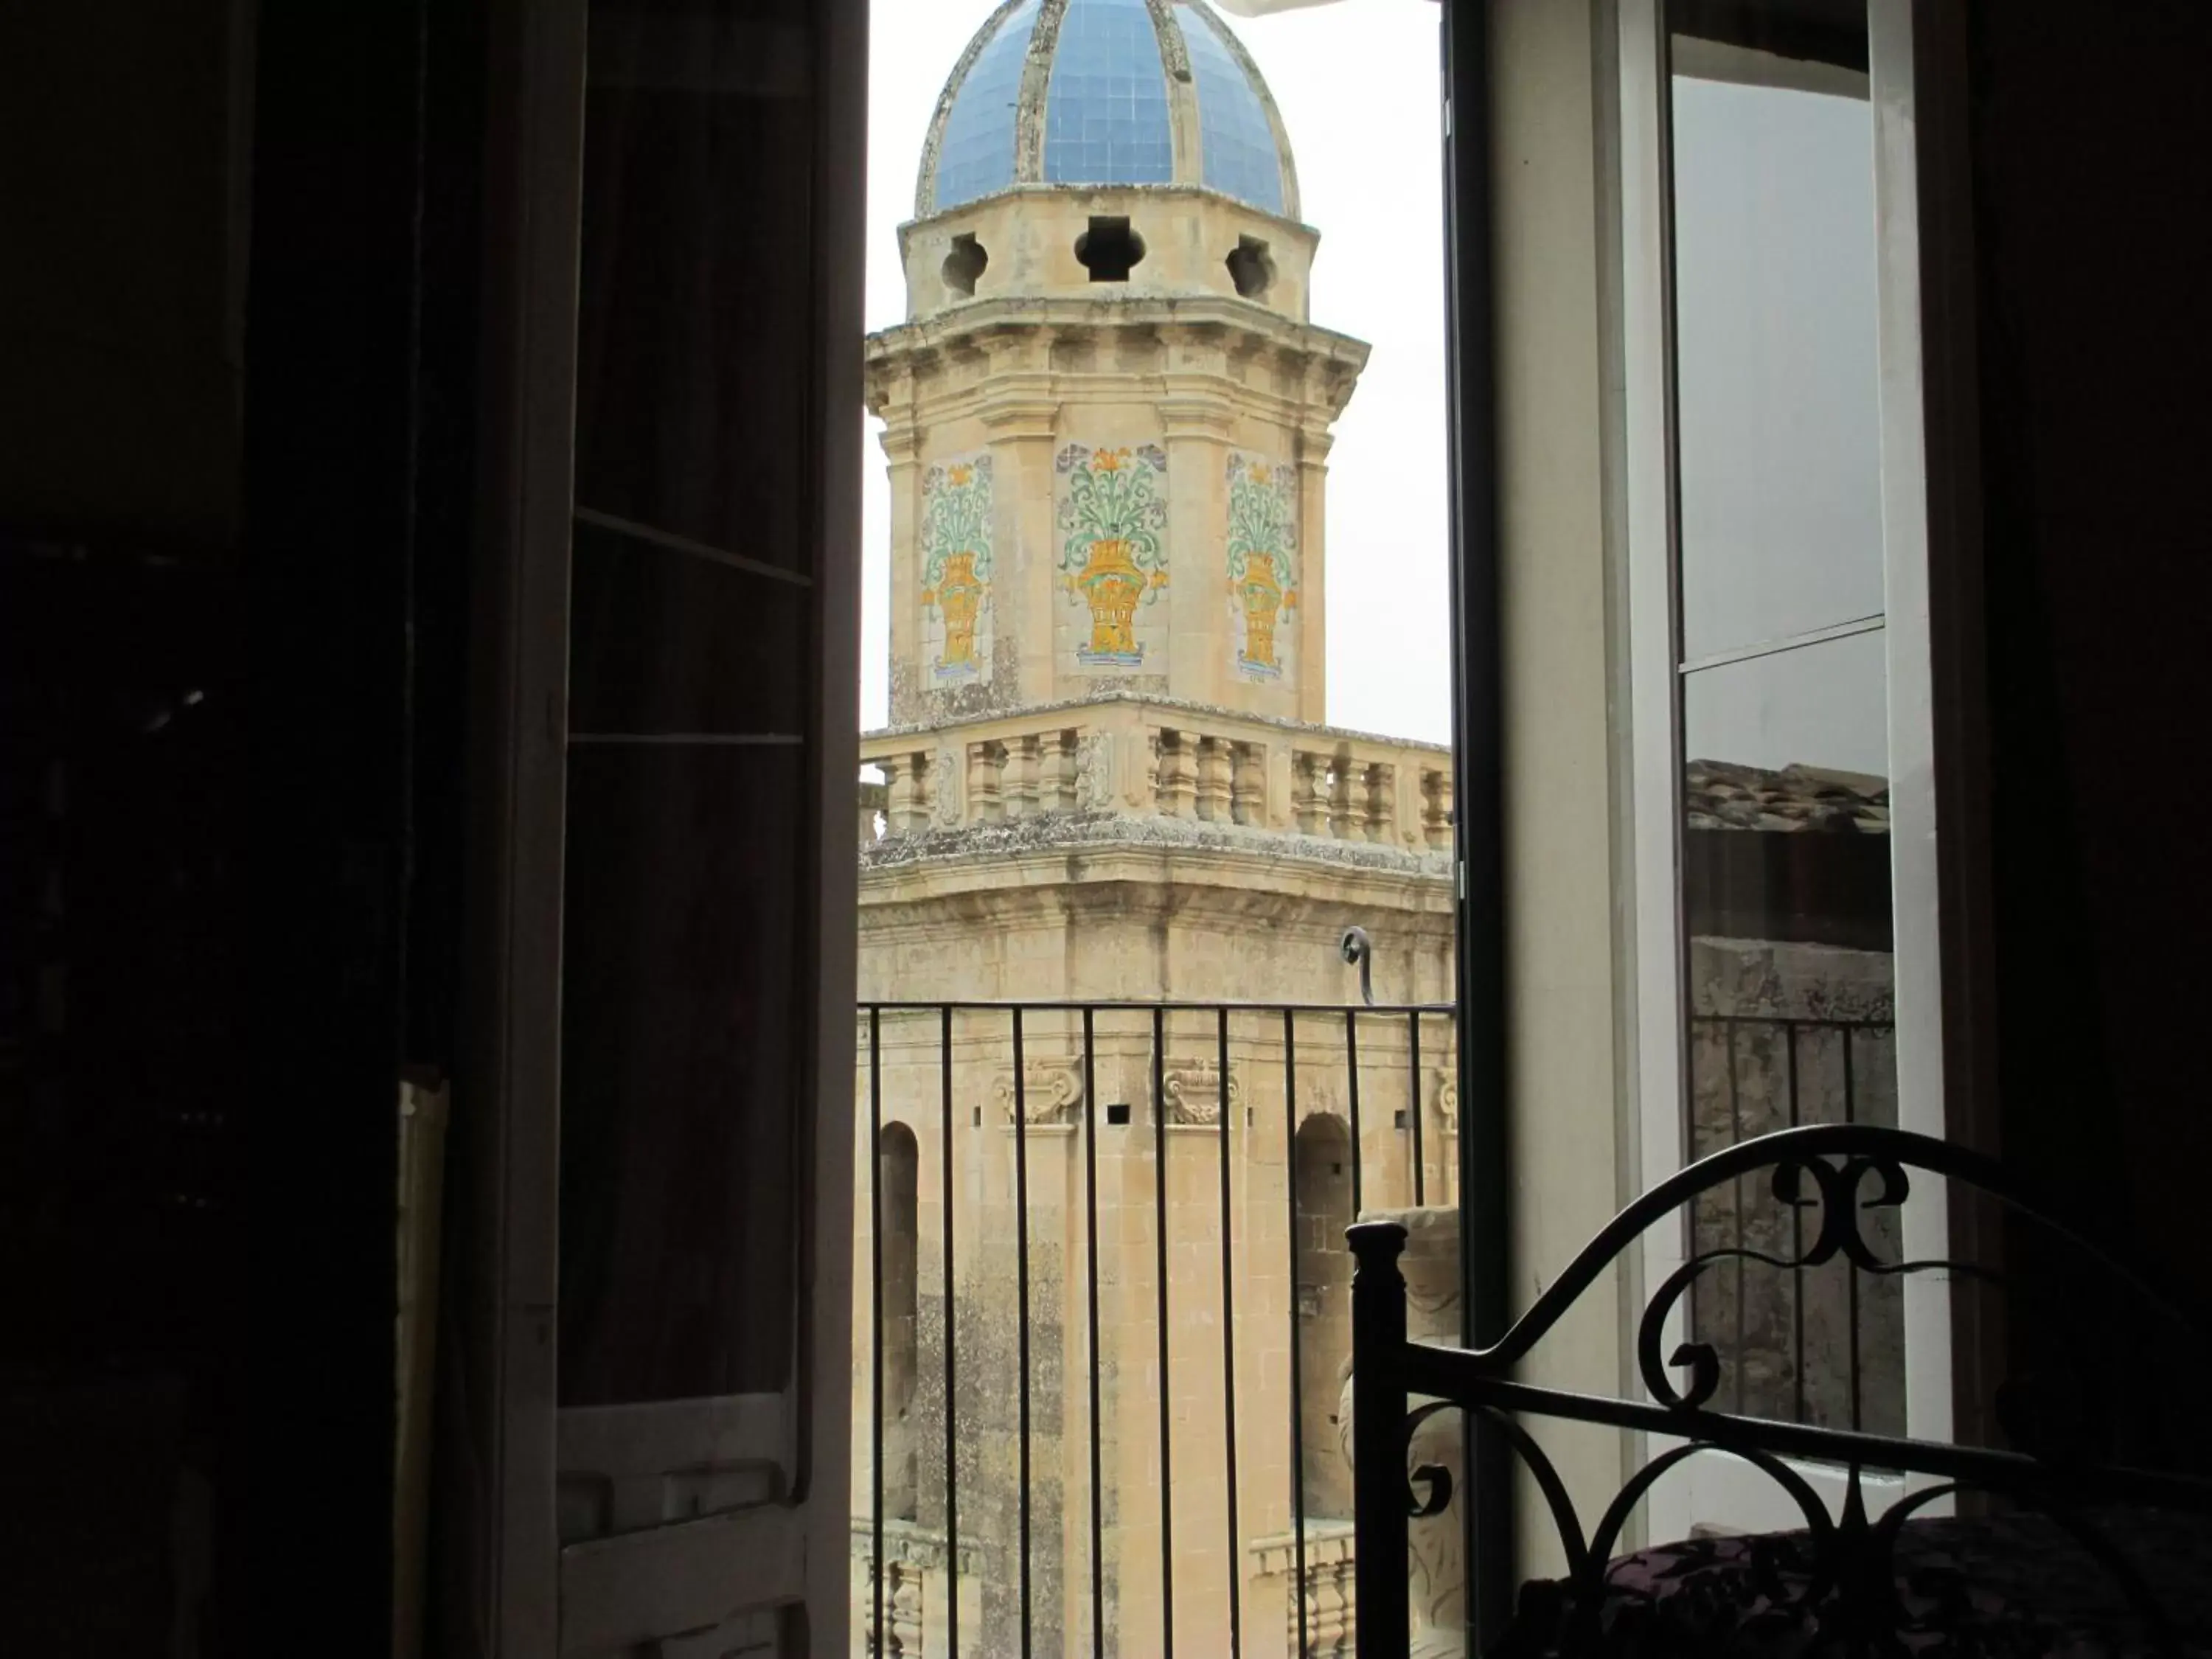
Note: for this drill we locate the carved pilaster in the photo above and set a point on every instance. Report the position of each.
(1313, 575)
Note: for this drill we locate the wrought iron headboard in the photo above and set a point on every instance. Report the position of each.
(1820, 1167)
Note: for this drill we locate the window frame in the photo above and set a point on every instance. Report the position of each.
(1923, 966)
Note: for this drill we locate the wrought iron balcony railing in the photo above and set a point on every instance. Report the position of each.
(1105, 1327)
(1105, 1324)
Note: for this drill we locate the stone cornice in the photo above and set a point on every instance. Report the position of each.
(1209, 321)
(1072, 388)
(1144, 701)
(1157, 848)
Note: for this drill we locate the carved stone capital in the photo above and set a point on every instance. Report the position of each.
(1192, 1088)
(1051, 1089)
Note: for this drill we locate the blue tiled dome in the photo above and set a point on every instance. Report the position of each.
(1106, 92)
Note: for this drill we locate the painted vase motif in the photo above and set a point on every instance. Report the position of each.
(1262, 539)
(955, 541)
(960, 598)
(1112, 559)
(1263, 598)
(1113, 587)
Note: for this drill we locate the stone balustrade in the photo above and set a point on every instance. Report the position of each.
(1151, 757)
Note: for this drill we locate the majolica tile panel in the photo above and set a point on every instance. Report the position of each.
(1262, 556)
(1112, 515)
(956, 572)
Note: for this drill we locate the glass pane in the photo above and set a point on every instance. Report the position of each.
(667, 641)
(680, 1081)
(689, 850)
(694, 351)
(1792, 1014)
(1781, 485)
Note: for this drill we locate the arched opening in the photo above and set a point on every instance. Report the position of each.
(898, 1221)
(1324, 1308)
(1109, 250)
(1251, 268)
(965, 265)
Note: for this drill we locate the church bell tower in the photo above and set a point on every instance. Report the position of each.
(1107, 417)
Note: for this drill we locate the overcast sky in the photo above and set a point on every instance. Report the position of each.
(1358, 87)
(1780, 392)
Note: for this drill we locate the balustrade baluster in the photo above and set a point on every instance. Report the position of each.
(1060, 771)
(1022, 776)
(1178, 775)
(1248, 784)
(1344, 810)
(1213, 804)
(1381, 815)
(1435, 810)
(987, 762)
(1308, 801)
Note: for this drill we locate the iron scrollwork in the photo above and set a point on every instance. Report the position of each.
(1835, 1582)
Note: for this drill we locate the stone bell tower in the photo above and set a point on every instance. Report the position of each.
(1107, 417)
(1107, 784)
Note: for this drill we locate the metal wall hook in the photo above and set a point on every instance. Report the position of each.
(1359, 950)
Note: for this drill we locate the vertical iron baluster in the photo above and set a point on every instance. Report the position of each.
(1378, 1439)
(1850, 1270)
(1160, 1252)
(876, 1317)
(1736, 1366)
(1090, 1233)
(951, 1410)
(1351, 1074)
(1229, 1346)
(1414, 1100)
(1796, 1245)
(1022, 1301)
(1297, 1395)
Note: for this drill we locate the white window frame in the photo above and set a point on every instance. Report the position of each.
(1714, 1489)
